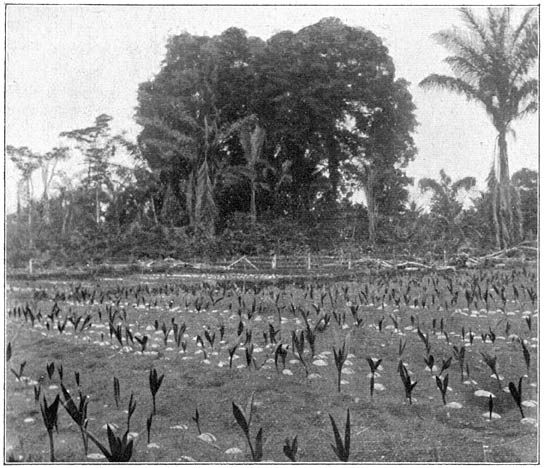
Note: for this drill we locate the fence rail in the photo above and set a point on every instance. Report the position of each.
(301, 264)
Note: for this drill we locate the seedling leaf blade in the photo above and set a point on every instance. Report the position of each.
(240, 418)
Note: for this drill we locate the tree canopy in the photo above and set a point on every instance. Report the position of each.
(322, 98)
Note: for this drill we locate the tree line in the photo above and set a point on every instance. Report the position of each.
(252, 146)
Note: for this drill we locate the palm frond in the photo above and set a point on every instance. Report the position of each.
(528, 90)
(530, 108)
(464, 69)
(430, 185)
(465, 183)
(457, 86)
(523, 24)
(475, 25)
(464, 45)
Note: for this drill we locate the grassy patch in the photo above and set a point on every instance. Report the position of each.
(371, 316)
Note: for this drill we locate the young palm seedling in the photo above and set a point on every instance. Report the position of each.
(142, 342)
(290, 449)
(442, 384)
(116, 391)
(402, 346)
(459, 353)
(196, 419)
(374, 364)
(210, 338)
(445, 365)
(310, 334)
(166, 333)
(50, 415)
(429, 361)
(244, 421)
(154, 384)
(77, 412)
(491, 415)
(19, 374)
(131, 409)
(516, 395)
(340, 357)
(37, 392)
(232, 351)
(249, 356)
(280, 354)
(120, 450)
(406, 381)
(425, 339)
(298, 346)
(526, 354)
(529, 320)
(341, 447)
(491, 362)
(148, 424)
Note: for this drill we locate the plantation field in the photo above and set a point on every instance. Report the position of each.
(301, 353)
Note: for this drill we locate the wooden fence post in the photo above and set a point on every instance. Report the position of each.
(309, 262)
(274, 261)
(349, 262)
(30, 266)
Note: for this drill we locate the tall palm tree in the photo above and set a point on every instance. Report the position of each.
(491, 64)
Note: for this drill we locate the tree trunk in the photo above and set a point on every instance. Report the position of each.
(46, 209)
(505, 222)
(154, 211)
(189, 199)
(253, 204)
(334, 172)
(371, 207)
(97, 205)
(29, 195)
(371, 219)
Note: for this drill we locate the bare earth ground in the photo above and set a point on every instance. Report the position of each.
(385, 428)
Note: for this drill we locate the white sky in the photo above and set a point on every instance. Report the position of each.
(67, 64)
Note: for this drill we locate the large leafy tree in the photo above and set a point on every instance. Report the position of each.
(232, 123)
(492, 62)
(320, 94)
(187, 112)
